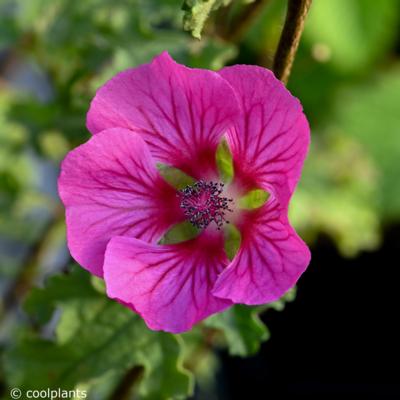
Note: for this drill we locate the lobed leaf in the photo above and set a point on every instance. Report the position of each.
(197, 13)
(243, 330)
(94, 336)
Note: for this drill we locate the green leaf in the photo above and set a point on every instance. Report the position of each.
(242, 327)
(197, 13)
(179, 233)
(370, 114)
(94, 336)
(254, 199)
(53, 145)
(166, 377)
(232, 240)
(243, 330)
(174, 176)
(60, 289)
(338, 194)
(280, 304)
(367, 30)
(224, 162)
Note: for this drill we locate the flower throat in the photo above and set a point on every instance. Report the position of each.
(203, 203)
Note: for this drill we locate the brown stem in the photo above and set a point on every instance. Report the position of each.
(31, 264)
(123, 391)
(290, 38)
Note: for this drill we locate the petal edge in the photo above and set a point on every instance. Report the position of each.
(169, 286)
(110, 187)
(270, 260)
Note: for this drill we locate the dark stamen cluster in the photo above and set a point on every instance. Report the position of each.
(202, 203)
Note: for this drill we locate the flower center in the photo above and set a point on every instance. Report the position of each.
(203, 203)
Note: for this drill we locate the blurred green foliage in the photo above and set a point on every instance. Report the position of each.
(94, 336)
(54, 54)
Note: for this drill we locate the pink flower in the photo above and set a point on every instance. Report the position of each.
(118, 206)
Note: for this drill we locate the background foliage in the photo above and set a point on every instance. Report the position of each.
(57, 327)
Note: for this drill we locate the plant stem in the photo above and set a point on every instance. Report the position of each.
(290, 38)
(31, 265)
(124, 389)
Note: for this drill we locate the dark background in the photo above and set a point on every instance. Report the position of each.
(329, 341)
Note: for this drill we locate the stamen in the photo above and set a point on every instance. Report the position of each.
(202, 204)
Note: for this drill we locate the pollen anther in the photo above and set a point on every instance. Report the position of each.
(203, 203)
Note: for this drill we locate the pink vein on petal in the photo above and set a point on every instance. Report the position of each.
(110, 187)
(170, 286)
(270, 140)
(180, 112)
(270, 260)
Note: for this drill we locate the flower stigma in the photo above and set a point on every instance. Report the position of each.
(203, 203)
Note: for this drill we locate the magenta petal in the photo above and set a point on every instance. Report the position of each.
(180, 112)
(169, 286)
(111, 187)
(270, 141)
(269, 262)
